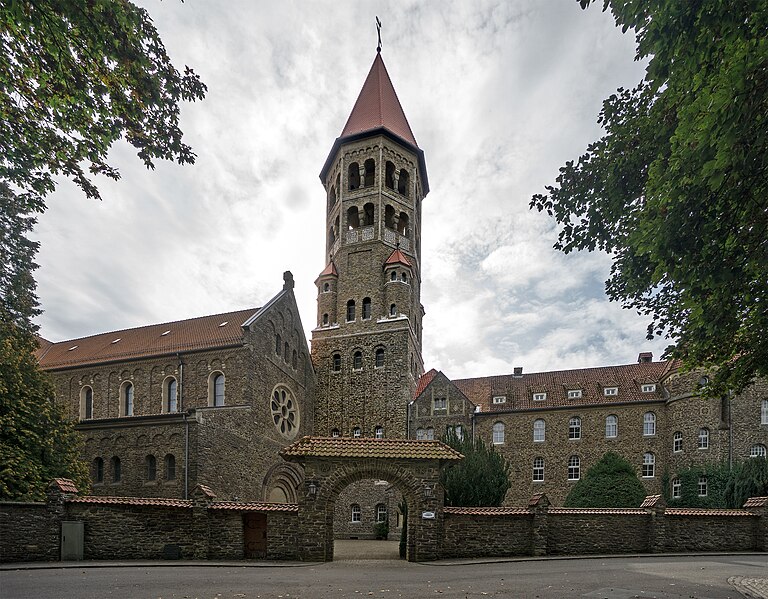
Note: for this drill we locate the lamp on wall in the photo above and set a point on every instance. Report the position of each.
(312, 488)
(428, 490)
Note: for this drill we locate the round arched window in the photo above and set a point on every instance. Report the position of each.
(285, 411)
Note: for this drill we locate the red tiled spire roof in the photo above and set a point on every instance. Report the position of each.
(397, 257)
(377, 106)
(329, 270)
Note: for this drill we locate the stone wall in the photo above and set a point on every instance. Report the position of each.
(583, 532)
(487, 535)
(367, 495)
(28, 532)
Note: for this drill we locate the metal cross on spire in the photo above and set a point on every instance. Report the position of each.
(378, 31)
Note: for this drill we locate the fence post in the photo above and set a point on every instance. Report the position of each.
(539, 507)
(201, 499)
(656, 507)
(759, 507)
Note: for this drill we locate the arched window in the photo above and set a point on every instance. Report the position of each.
(379, 432)
(649, 424)
(704, 438)
(326, 287)
(611, 426)
(366, 308)
(369, 213)
(127, 399)
(393, 276)
(336, 358)
(350, 310)
(676, 488)
(574, 468)
(649, 465)
(353, 218)
(286, 351)
(117, 473)
(335, 433)
(677, 442)
(764, 412)
(574, 428)
(389, 217)
(355, 512)
(370, 172)
(278, 344)
(379, 363)
(420, 434)
(402, 224)
(86, 403)
(170, 466)
(702, 486)
(405, 277)
(539, 429)
(216, 390)
(151, 465)
(332, 197)
(354, 175)
(757, 451)
(429, 433)
(381, 512)
(357, 360)
(498, 433)
(98, 470)
(325, 319)
(389, 175)
(171, 395)
(356, 432)
(294, 359)
(393, 310)
(403, 182)
(538, 470)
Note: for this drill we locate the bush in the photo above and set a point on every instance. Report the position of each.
(481, 479)
(612, 482)
(381, 530)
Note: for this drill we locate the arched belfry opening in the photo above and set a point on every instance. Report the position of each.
(331, 464)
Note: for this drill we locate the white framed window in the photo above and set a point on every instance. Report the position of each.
(764, 412)
(440, 404)
(356, 432)
(704, 438)
(539, 429)
(610, 391)
(574, 393)
(170, 395)
(538, 470)
(539, 396)
(381, 513)
(703, 486)
(649, 424)
(611, 426)
(677, 442)
(498, 433)
(379, 359)
(499, 399)
(335, 433)
(649, 465)
(574, 467)
(420, 434)
(379, 432)
(429, 434)
(676, 488)
(458, 430)
(757, 451)
(356, 515)
(648, 387)
(574, 428)
(357, 360)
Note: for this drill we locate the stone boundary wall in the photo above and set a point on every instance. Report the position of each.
(28, 532)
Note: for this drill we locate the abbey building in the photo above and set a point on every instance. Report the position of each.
(212, 400)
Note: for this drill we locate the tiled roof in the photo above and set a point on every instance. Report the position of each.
(604, 511)
(487, 511)
(684, 511)
(245, 506)
(150, 501)
(519, 390)
(397, 257)
(651, 501)
(377, 106)
(207, 491)
(756, 502)
(364, 447)
(424, 380)
(64, 485)
(205, 332)
(329, 270)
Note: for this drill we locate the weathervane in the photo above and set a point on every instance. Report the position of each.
(378, 31)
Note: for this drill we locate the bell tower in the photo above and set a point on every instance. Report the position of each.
(366, 347)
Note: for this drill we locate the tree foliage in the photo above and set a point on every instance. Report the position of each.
(718, 478)
(481, 479)
(611, 482)
(677, 188)
(74, 78)
(750, 479)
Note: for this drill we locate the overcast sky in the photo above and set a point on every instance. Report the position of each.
(498, 94)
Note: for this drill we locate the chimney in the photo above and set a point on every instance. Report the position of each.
(644, 356)
(518, 372)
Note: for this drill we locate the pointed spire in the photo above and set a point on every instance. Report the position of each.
(397, 257)
(377, 107)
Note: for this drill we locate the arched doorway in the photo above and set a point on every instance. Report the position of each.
(333, 463)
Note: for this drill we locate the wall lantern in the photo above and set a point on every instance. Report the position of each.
(428, 490)
(312, 487)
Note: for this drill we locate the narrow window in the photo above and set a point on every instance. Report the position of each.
(336, 362)
(574, 428)
(326, 287)
(764, 412)
(539, 429)
(172, 404)
(286, 352)
(354, 176)
(676, 488)
(757, 451)
(325, 319)
(87, 411)
(332, 197)
(350, 310)
(611, 426)
(649, 465)
(278, 345)
(353, 218)
(151, 464)
(117, 473)
(430, 433)
(574, 468)
(404, 277)
(331, 237)
(389, 217)
(128, 400)
(458, 430)
(218, 390)
(677, 442)
(355, 513)
(98, 470)
(370, 172)
(420, 434)
(498, 433)
(389, 175)
(393, 276)
(704, 438)
(379, 434)
(356, 432)
(379, 357)
(381, 513)
(702, 486)
(402, 224)
(366, 308)
(649, 424)
(335, 433)
(170, 467)
(357, 360)
(393, 310)
(440, 404)
(403, 182)
(369, 213)
(538, 470)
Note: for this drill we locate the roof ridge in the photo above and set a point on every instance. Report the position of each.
(529, 374)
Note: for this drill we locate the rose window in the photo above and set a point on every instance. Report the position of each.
(285, 412)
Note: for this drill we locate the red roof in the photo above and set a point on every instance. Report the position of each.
(488, 511)
(377, 106)
(367, 447)
(247, 506)
(424, 380)
(397, 257)
(206, 332)
(329, 270)
(64, 485)
(683, 511)
(150, 501)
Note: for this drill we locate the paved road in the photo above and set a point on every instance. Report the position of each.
(616, 578)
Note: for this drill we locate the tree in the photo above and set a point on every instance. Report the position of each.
(611, 482)
(481, 479)
(677, 188)
(750, 479)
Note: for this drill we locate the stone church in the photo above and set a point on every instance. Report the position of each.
(212, 400)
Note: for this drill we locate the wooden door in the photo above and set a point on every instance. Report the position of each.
(255, 535)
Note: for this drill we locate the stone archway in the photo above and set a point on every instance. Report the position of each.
(331, 464)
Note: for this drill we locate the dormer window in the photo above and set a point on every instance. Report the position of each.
(648, 388)
(539, 396)
(499, 399)
(610, 391)
(574, 393)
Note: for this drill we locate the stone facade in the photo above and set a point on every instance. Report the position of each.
(363, 505)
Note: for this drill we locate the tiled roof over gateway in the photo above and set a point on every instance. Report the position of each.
(206, 332)
(519, 390)
(365, 447)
